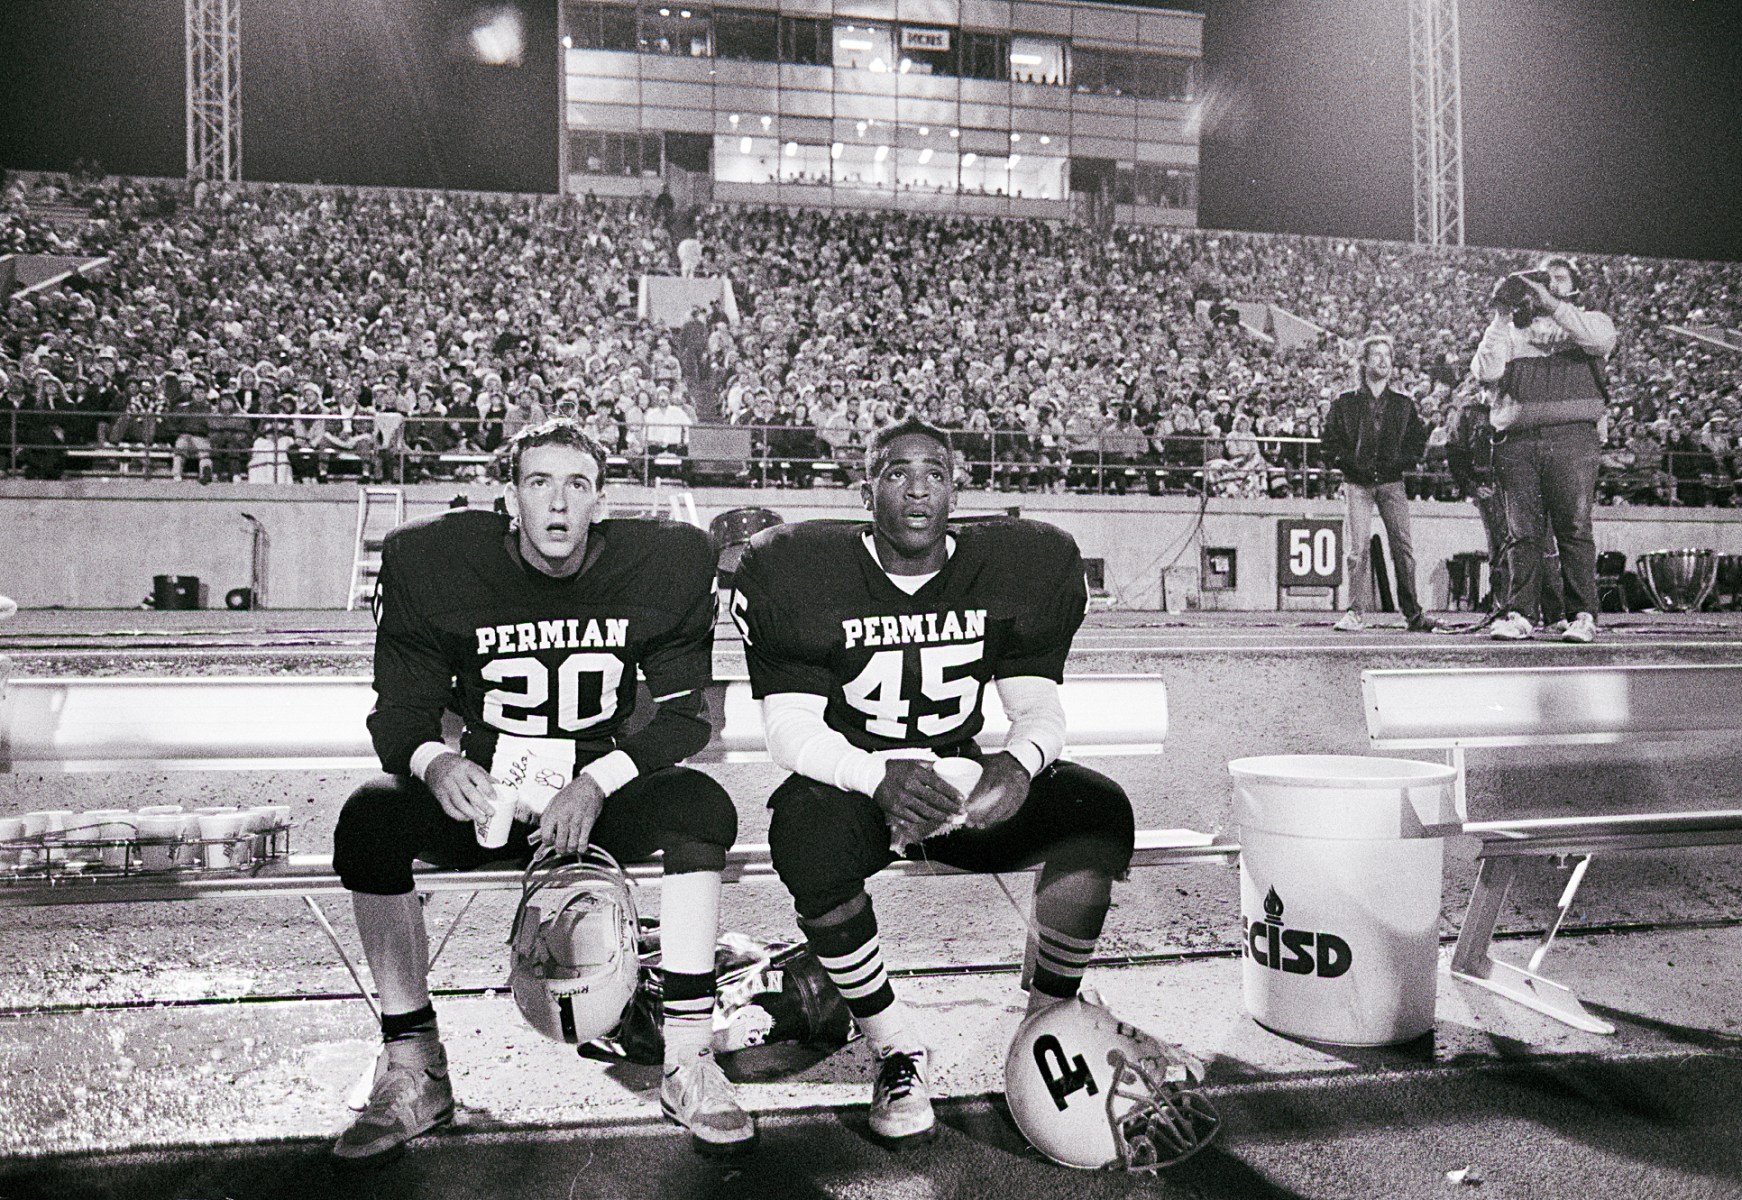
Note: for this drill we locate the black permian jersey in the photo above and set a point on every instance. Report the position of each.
(465, 624)
(819, 615)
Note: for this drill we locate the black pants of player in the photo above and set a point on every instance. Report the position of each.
(394, 819)
(826, 842)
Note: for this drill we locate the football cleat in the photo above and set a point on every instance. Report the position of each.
(698, 1096)
(901, 1112)
(1088, 1090)
(412, 1095)
(1511, 628)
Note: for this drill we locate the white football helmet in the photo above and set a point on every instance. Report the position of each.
(1088, 1090)
(574, 971)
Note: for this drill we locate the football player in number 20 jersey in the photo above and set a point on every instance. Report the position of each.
(533, 627)
(871, 647)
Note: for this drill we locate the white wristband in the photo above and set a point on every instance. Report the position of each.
(612, 771)
(424, 755)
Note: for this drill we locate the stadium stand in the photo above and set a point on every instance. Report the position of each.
(307, 333)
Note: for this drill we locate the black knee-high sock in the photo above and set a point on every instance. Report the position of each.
(850, 952)
(399, 1027)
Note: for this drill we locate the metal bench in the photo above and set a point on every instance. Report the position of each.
(1455, 710)
(279, 723)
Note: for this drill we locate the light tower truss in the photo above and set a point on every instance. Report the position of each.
(214, 89)
(1436, 102)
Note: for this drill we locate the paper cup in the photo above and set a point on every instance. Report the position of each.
(85, 827)
(960, 773)
(224, 834)
(493, 834)
(190, 853)
(271, 825)
(159, 837)
(31, 827)
(115, 830)
(49, 825)
(11, 832)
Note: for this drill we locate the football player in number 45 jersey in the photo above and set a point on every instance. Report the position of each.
(870, 647)
(532, 627)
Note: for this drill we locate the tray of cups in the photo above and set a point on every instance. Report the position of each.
(156, 840)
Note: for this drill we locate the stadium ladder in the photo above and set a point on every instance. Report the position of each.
(379, 511)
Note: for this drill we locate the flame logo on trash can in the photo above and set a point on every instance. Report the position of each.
(1296, 951)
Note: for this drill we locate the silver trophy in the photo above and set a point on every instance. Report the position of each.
(1679, 580)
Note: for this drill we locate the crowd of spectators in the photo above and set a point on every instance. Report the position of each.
(276, 333)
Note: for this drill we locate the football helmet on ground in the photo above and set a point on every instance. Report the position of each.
(1088, 1090)
(574, 971)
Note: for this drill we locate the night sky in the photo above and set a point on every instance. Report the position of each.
(1594, 125)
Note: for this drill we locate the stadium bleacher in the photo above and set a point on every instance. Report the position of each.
(1069, 357)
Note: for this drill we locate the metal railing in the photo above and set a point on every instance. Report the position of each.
(321, 446)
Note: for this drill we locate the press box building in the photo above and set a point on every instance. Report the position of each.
(981, 107)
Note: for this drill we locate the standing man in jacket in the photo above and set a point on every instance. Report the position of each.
(1373, 435)
(1546, 353)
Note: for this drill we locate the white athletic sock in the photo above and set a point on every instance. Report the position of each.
(889, 1029)
(688, 924)
(689, 921)
(1039, 1001)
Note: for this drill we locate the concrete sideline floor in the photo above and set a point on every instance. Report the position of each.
(239, 1101)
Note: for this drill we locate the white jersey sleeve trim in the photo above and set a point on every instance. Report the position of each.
(800, 741)
(1037, 720)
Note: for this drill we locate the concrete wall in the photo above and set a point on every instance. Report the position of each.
(97, 543)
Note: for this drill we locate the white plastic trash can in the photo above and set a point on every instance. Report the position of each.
(1340, 893)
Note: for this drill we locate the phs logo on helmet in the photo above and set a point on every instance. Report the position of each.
(1296, 951)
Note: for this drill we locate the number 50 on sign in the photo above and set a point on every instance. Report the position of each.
(1309, 553)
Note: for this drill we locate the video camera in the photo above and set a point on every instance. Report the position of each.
(1512, 294)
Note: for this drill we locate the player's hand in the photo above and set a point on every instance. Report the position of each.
(568, 818)
(1002, 788)
(915, 800)
(464, 789)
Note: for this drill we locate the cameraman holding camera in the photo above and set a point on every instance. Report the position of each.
(1546, 354)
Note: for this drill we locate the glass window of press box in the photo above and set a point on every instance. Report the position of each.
(1098, 72)
(1155, 185)
(746, 36)
(681, 32)
(889, 159)
(806, 42)
(602, 27)
(1038, 60)
(637, 155)
(759, 35)
(862, 47)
